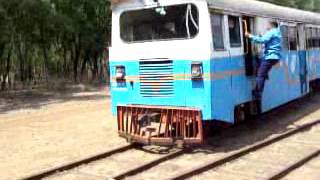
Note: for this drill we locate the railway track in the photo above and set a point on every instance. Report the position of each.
(140, 169)
(214, 164)
(103, 156)
(151, 164)
(72, 165)
(282, 173)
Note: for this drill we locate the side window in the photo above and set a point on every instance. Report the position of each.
(234, 31)
(285, 37)
(293, 41)
(217, 31)
(318, 37)
(309, 38)
(315, 38)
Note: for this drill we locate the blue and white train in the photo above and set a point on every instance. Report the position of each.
(176, 65)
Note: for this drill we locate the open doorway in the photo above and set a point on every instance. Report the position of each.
(248, 47)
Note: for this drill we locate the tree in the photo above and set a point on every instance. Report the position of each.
(44, 39)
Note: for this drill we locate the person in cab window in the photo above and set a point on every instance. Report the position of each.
(272, 41)
(234, 32)
(168, 31)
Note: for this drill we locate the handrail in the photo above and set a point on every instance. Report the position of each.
(245, 25)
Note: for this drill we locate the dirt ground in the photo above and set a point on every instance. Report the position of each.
(40, 130)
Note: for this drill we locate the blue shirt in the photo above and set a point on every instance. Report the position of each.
(272, 41)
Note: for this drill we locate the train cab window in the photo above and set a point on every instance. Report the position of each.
(217, 31)
(234, 31)
(293, 39)
(285, 37)
(160, 23)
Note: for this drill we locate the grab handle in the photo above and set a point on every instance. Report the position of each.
(245, 26)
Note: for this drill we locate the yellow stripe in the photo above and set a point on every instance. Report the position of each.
(216, 75)
(184, 77)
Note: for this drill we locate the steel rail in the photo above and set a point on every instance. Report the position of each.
(236, 155)
(292, 167)
(72, 165)
(149, 165)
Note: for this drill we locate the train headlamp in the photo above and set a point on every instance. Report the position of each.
(120, 73)
(197, 70)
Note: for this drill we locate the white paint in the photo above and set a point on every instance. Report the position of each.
(287, 60)
(197, 48)
(293, 63)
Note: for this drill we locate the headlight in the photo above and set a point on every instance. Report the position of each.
(120, 73)
(196, 70)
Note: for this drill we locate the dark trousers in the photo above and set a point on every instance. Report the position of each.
(263, 74)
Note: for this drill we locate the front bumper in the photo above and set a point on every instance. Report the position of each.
(160, 125)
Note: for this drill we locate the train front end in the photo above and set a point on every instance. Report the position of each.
(160, 70)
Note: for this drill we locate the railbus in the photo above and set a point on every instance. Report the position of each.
(177, 65)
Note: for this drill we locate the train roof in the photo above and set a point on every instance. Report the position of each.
(258, 8)
(249, 7)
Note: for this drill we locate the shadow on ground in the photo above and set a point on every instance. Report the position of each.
(35, 99)
(250, 132)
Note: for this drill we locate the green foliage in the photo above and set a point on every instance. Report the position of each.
(45, 38)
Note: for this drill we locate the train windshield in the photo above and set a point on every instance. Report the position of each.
(161, 23)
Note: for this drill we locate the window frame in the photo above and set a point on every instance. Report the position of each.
(285, 37)
(317, 37)
(223, 28)
(297, 45)
(313, 42)
(158, 40)
(309, 42)
(238, 17)
(314, 37)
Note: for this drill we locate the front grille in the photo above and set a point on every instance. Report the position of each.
(156, 77)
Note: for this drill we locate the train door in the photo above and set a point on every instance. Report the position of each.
(247, 24)
(220, 61)
(303, 59)
(312, 64)
(236, 59)
(241, 85)
(293, 63)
